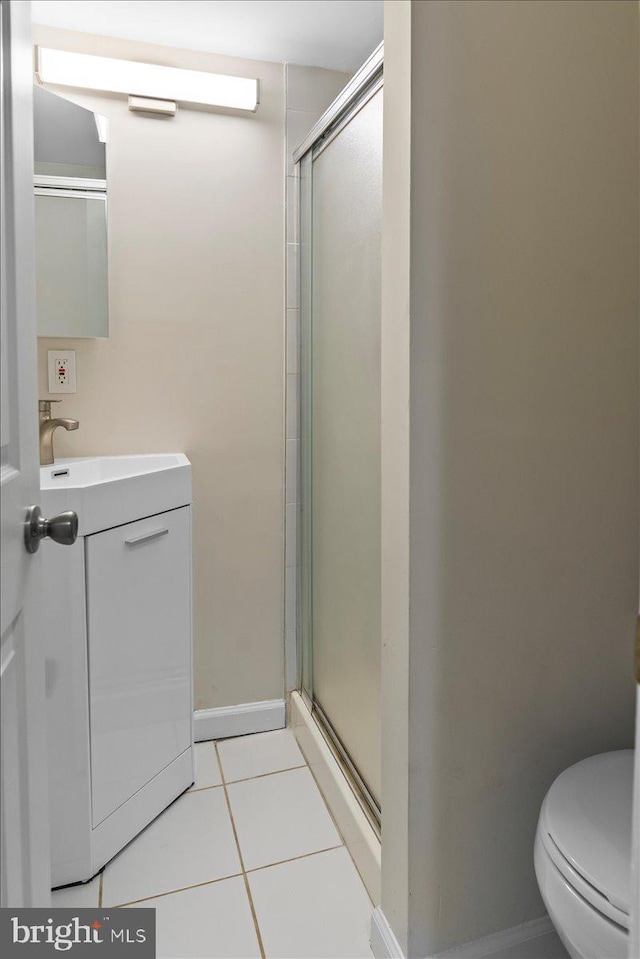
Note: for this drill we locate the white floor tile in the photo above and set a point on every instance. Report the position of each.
(314, 907)
(279, 817)
(206, 763)
(256, 755)
(83, 896)
(209, 922)
(190, 842)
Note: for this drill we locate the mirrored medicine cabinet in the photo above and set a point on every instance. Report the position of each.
(70, 186)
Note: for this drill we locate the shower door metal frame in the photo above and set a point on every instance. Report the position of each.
(357, 93)
(344, 104)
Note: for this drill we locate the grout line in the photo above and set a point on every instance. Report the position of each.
(255, 918)
(211, 882)
(246, 779)
(161, 895)
(305, 855)
(218, 760)
(289, 769)
(244, 873)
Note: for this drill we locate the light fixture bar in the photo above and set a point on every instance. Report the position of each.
(145, 80)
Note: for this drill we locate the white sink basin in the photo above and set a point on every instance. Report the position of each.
(108, 491)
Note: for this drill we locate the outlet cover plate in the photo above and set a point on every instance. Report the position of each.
(62, 371)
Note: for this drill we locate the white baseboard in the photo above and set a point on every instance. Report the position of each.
(239, 720)
(384, 944)
(510, 939)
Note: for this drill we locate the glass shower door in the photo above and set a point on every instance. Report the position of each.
(340, 436)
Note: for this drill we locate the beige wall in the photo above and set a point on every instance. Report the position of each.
(195, 357)
(509, 611)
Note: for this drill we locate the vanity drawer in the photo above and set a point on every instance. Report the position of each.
(139, 637)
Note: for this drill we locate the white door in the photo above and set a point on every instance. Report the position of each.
(25, 837)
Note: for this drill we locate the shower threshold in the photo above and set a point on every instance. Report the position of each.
(356, 815)
(362, 793)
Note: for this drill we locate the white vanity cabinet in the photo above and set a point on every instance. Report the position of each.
(139, 670)
(119, 685)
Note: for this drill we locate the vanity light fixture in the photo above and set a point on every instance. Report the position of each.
(164, 108)
(145, 80)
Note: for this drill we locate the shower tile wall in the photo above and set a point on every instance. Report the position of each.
(308, 92)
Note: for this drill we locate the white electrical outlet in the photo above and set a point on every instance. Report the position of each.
(62, 371)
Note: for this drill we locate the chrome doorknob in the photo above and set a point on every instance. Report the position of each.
(62, 529)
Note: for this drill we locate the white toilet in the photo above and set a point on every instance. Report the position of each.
(583, 855)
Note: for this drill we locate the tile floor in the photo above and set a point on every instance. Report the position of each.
(247, 863)
(543, 947)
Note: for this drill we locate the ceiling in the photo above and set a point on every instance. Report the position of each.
(336, 34)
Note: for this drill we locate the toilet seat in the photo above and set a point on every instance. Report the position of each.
(583, 854)
(588, 892)
(587, 814)
(585, 932)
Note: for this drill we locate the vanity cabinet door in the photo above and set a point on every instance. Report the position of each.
(139, 634)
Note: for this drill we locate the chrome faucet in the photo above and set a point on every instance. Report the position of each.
(48, 427)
